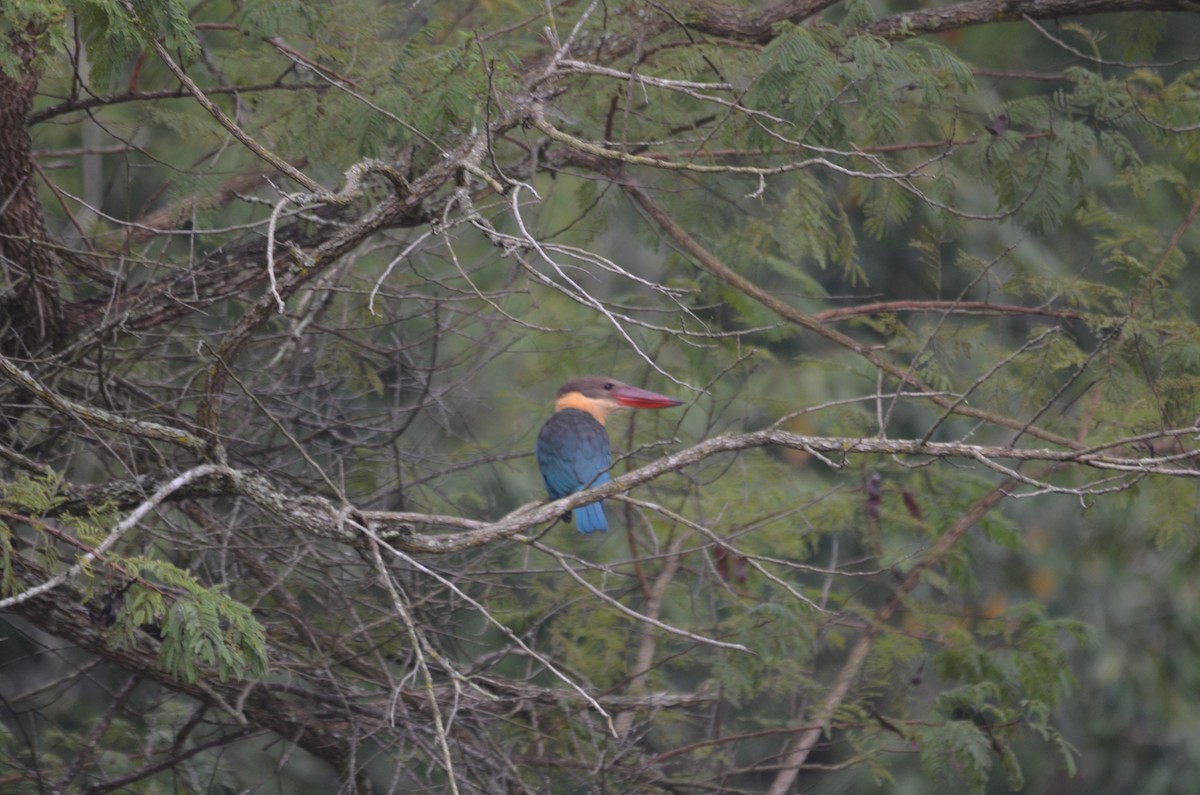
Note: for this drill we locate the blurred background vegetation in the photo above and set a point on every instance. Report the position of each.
(857, 220)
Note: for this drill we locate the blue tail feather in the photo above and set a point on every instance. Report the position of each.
(591, 519)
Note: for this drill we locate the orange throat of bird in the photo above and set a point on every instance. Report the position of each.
(597, 407)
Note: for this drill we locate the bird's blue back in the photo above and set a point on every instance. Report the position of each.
(572, 454)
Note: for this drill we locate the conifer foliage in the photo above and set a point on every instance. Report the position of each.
(287, 290)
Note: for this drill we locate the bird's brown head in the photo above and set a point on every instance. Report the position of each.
(599, 396)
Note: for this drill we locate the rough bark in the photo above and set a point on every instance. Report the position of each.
(30, 305)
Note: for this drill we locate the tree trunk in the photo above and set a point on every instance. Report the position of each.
(31, 313)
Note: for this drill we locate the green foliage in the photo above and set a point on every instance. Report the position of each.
(265, 17)
(980, 214)
(959, 751)
(40, 22)
(116, 31)
(809, 228)
(1142, 34)
(885, 204)
(199, 625)
(995, 700)
(1172, 517)
(800, 77)
(31, 495)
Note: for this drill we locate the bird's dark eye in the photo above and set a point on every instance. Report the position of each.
(608, 386)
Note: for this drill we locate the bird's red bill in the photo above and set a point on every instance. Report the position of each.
(642, 399)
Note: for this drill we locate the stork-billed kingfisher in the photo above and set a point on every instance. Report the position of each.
(572, 447)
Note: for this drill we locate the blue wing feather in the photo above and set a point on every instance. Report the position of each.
(572, 454)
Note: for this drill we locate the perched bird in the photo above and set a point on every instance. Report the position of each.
(572, 447)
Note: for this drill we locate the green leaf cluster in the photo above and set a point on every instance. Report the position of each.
(198, 625)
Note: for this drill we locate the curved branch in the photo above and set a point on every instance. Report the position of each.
(327, 519)
(986, 12)
(114, 535)
(254, 146)
(951, 307)
(98, 416)
(716, 267)
(71, 105)
(728, 21)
